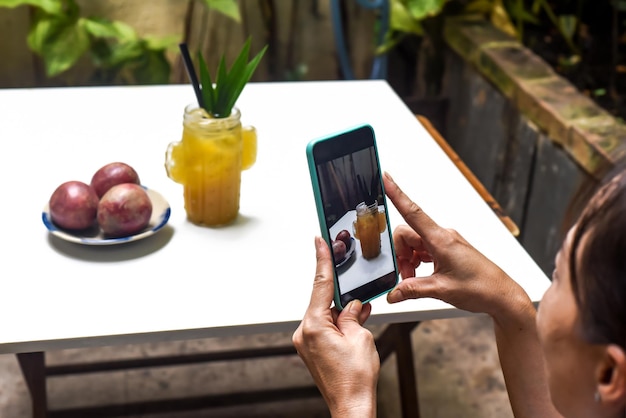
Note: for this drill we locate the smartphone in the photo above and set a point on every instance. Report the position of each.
(352, 212)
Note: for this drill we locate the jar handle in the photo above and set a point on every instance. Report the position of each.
(249, 136)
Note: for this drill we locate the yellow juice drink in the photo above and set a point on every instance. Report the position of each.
(367, 229)
(208, 163)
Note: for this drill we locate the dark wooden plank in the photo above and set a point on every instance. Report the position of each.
(555, 180)
(475, 127)
(512, 182)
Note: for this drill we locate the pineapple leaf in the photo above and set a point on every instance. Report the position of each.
(229, 83)
(241, 82)
(208, 94)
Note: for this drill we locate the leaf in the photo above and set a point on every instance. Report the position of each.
(249, 70)
(159, 44)
(153, 68)
(124, 52)
(501, 20)
(208, 94)
(228, 8)
(104, 28)
(479, 6)
(221, 87)
(519, 13)
(229, 83)
(421, 9)
(401, 20)
(59, 40)
(53, 7)
(568, 24)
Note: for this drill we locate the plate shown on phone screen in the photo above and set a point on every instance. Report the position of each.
(349, 253)
(94, 236)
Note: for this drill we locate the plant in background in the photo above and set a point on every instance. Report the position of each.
(407, 17)
(228, 8)
(61, 36)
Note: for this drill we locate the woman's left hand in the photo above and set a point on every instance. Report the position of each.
(339, 353)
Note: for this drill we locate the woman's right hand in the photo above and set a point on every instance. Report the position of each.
(462, 276)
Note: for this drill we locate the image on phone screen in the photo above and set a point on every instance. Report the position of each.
(354, 211)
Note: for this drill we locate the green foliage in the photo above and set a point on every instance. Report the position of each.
(406, 17)
(61, 36)
(510, 16)
(50, 6)
(220, 99)
(228, 8)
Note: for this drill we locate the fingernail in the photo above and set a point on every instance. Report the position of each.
(388, 176)
(355, 306)
(318, 242)
(393, 296)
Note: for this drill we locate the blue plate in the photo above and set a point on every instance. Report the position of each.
(160, 216)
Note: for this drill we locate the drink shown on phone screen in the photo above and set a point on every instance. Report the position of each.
(352, 212)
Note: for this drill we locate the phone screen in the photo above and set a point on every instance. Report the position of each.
(353, 213)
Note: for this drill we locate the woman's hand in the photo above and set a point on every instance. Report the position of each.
(465, 278)
(339, 353)
(462, 276)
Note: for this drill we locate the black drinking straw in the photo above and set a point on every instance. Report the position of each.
(191, 72)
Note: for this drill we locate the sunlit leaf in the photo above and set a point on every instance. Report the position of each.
(124, 52)
(400, 19)
(59, 40)
(421, 9)
(501, 20)
(158, 44)
(229, 8)
(104, 28)
(49, 6)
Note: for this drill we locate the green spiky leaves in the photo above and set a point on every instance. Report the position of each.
(219, 99)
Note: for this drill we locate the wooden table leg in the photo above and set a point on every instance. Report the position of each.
(33, 367)
(396, 338)
(406, 372)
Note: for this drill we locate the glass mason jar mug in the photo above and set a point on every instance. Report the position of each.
(208, 162)
(369, 224)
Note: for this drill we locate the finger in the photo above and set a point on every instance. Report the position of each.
(406, 241)
(415, 288)
(365, 313)
(323, 286)
(406, 268)
(410, 211)
(349, 319)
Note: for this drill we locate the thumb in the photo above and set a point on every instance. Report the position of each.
(415, 288)
(349, 318)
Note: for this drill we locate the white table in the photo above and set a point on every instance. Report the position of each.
(188, 281)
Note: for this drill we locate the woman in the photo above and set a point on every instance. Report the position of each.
(568, 359)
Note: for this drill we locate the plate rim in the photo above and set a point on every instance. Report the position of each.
(68, 236)
(349, 253)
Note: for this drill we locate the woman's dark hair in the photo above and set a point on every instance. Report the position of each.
(598, 268)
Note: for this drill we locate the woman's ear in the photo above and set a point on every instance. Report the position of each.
(612, 378)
